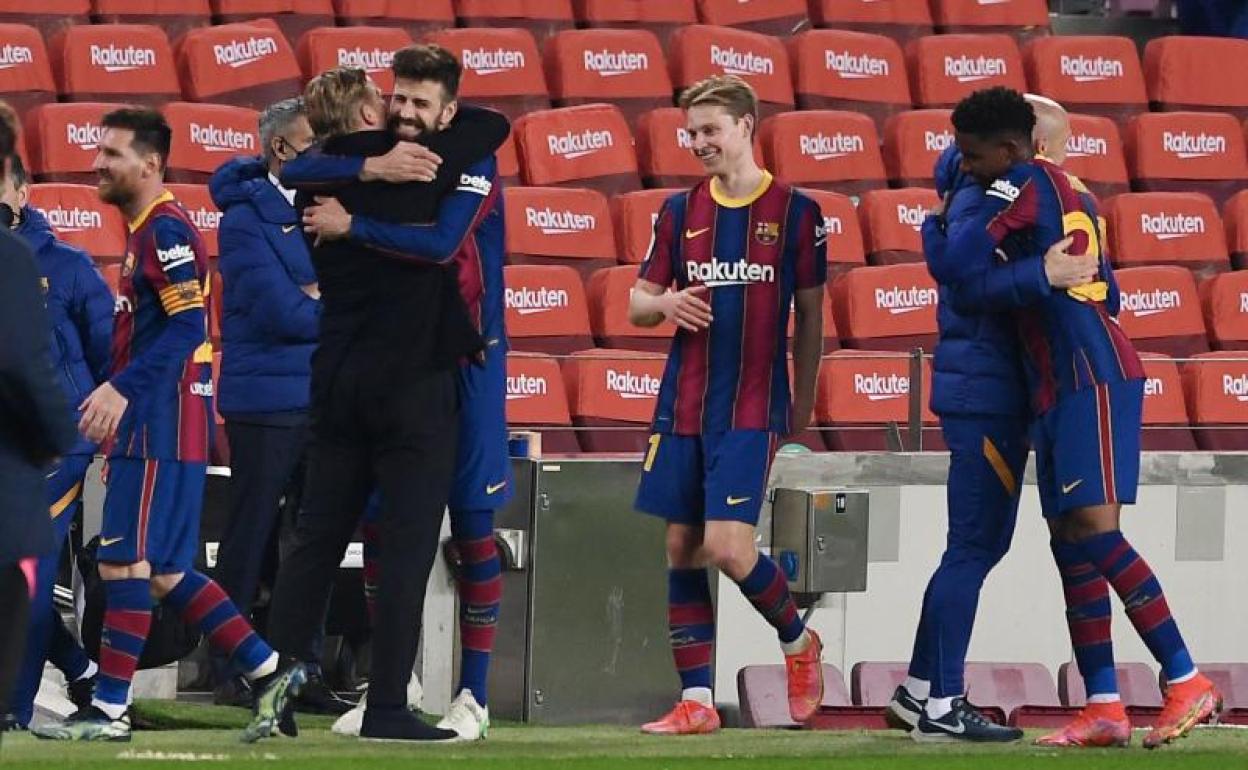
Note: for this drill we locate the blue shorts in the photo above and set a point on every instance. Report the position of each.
(713, 477)
(1088, 448)
(151, 513)
(483, 465)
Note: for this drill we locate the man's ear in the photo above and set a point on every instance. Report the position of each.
(23, 195)
(449, 111)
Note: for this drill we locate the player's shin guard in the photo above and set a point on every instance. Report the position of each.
(768, 591)
(691, 619)
(480, 591)
(202, 603)
(127, 621)
(1142, 598)
(1088, 618)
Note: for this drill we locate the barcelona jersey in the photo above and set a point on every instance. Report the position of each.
(161, 358)
(752, 254)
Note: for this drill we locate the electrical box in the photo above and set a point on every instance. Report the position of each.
(819, 538)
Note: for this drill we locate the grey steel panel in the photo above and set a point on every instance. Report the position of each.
(509, 662)
(819, 537)
(1200, 524)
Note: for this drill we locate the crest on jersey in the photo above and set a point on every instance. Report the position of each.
(127, 267)
(767, 233)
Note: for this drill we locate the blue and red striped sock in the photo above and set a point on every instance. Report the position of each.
(768, 591)
(480, 591)
(691, 620)
(1088, 615)
(127, 620)
(202, 603)
(1142, 598)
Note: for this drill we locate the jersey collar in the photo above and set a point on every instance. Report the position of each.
(735, 203)
(164, 197)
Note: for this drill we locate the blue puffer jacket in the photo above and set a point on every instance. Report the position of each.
(978, 366)
(80, 312)
(269, 325)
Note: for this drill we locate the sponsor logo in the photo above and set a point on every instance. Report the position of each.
(84, 137)
(734, 62)
(122, 305)
(823, 147)
(1085, 146)
(831, 226)
(565, 222)
(611, 64)
(243, 53)
(716, 273)
(214, 139)
(967, 69)
(1167, 227)
(1005, 190)
(1153, 386)
(683, 140)
(205, 218)
(107, 541)
(74, 220)
(114, 58)
(15, 56)
(523, 386)
(176, 256)
(1187, 146)
(881, 387)
(898, 301)
(1068, 488)
(1243, 302)
(1086, 69)
(202, 389)
(852, 66)
(288, 229)
(375, 60)
(1235, 386)
(934, 141)
(475, 183)
(1145, 303)
(492, 488)
(573, 145)
(628, 385)
(484, 62)
(912, 216)
(526, 301)
(737, 500)
(691, 234)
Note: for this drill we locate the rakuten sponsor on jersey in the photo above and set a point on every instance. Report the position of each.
(202, 389)
(1085, 145)
(528, 301)
(214, 139)
(15, 56)
(612, 63)
(881, 387)
(1085, 69)
(967, 69)
(937, 142)
(574, 145)
(73, 220)
(1235, 386)
(86, 137)
(485, 62)
(912, 216)
(524, 386)
(735, 62)
(855, 66)
(373, 61)
(1146, 303)
(629, 385)
(240, 53)
(822, 147)
(716, 273)
(1186, 145)
(1170, 226)
(898, 300)
(565, 222)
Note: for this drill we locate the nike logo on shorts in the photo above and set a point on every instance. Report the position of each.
(492, 488)
(1068, 488)
(737, 500)
(106, 541)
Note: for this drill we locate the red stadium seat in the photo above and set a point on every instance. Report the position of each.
(699, 51)
(245, 65)
(207, 135)
(892, 223)
(371, 48)
(417, 19)
(665, 152)
(542, 18)
(901, 20)
(634, 215)
(840, 224)
(1191, 73)
(292, 17)
(762, 694)
(1187, 152)
(586, 146)
(611, 394)
(1166, 229)
(836, 70)
(609, 289)
(63, 140)
(546, 310)
(1094, 154)
(890, 307)
(863, 401)
(537, 400)
(945, 68)
(660, 18)
(114, 62)
(1235, 215)
(25, 68)
(112, 276)
(824, 149)
(80, 218)
(624, 67)
(175, 17)
(1137, 685)
(1009, 686)
(1088, 74)
(1225, 301)
(1165, 423)
(1024, 19)
(203, 212)
(51, 17)
(872, 683)
(913, 141)
(1161, 310)
(508, 162)
(1232, 680)
(502, 68)
(1216, 387)
(774, 17)
(559, 226)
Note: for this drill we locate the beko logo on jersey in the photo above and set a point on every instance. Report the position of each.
(911, 215)
(116, 59)
(85, 137)
(1235, 386)
(1167, 227)
(971, 69)
(881, 387)
(241, 53)
(205, 219)
(73, 220)
(485, 62)
(475, 183)
(525, 386)
(1188, 146)
(375, 60)
(716, 273)
(202, 389)
(852, 66)
(1154, 386)
(1086, 145)
(937, 142)
(571, 145)
(526, 301)
(15, 56)
(1145, 303)
(898, 300)
(214, 139)
(552, 222)
(824, 147)
(628, 385)
(1085, 69)
(175, 257)
(610, 64)
(735, 62)
(1005, 190)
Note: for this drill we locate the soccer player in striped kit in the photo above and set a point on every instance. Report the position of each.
(739, 248)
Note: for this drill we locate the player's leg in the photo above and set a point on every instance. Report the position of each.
(15, 591)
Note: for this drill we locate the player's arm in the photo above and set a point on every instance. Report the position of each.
(475, 133)
(93, 317)
(314, 171)
(651, 302)
(256, 276)
(811, 275)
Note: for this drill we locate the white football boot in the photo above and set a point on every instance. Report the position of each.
(467, 717)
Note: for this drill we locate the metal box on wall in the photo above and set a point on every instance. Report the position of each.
(819, 538)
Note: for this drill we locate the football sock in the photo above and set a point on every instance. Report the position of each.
(691, 621)
(919, 689)
(127, 621)
(768, 591)
(1087, 617)
(66, 654)
(701, 695)
(480, 587)
(202, 603)
(938, 707)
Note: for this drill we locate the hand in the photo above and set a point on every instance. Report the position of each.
(406, 162)
(327, 220)
(687, 308)
(313, 290)
(102, 412)
(1066, 270)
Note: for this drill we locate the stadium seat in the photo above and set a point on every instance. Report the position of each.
(245, 65)
(559, 226)
(114, 62)
(1216, 387)
(945, 68)
(1137, 685)
(1161, 310)
(369, 47)
(862, 402)
(62, 140)
(856, 71)
(542, 18)
(699, 51)
(207, 135)
(825, 150)
(912, 143)
(625, 67)
(25, 69)
(889, 307)
(774, 17)
(417, 19)
(1195, 73)
(536, 399)
(1235, 216)
(634, 215)
(1187, 152)
(502, 68)
(892, 222)
(1232, 681)
(508, 163)
(660, 18)
(871, 683)
(203, 212)
(901, 20)
(546, 310)
(664, 152)
(112, 276)
(840, 223)
(585, 146)
(1094, 154)
(292, 17)
(608, 293)
(1024, 19)
(1009, 686)
(762, 693)
(1165, 424)
(80, 218)
(51, 17)
(1225, 302)
(175, 17)
(611, 395)
(1089, 74)
(1166, 229)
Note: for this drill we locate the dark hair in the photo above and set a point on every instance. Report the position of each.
(428, 62)
(15, 169)
(151, 130)
(8, 129)
(995, 112)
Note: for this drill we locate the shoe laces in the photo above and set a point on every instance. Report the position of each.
(968, 713)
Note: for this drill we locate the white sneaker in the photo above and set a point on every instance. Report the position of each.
(467, 717)
(349, 723)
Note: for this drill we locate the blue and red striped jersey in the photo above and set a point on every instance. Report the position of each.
(162, 357)
(752, 253)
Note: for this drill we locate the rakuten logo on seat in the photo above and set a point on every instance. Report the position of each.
(1167, 227)
(716, 273)
(629, 385)
(1235, 386)
(1154, 386)
(214, 139)
(571, 146)
(610, 64)
(881, 387)
(524, 386)
(1243, 302)
(375, 60)
(1145, 303)
(526, 301)
(852, 66)
(1187, 146)
(937, 142)
(241, 53)
(565, 222)
(1085, 69)
(898, 301)
(831, 226)
(15, 56)
(824, 147)
(485, 62)
(1086, 145)
(912, 216)
(205, 219)
(85, 137)
(114, 59)
(970, 70)
(73, 220)
(734, 62)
